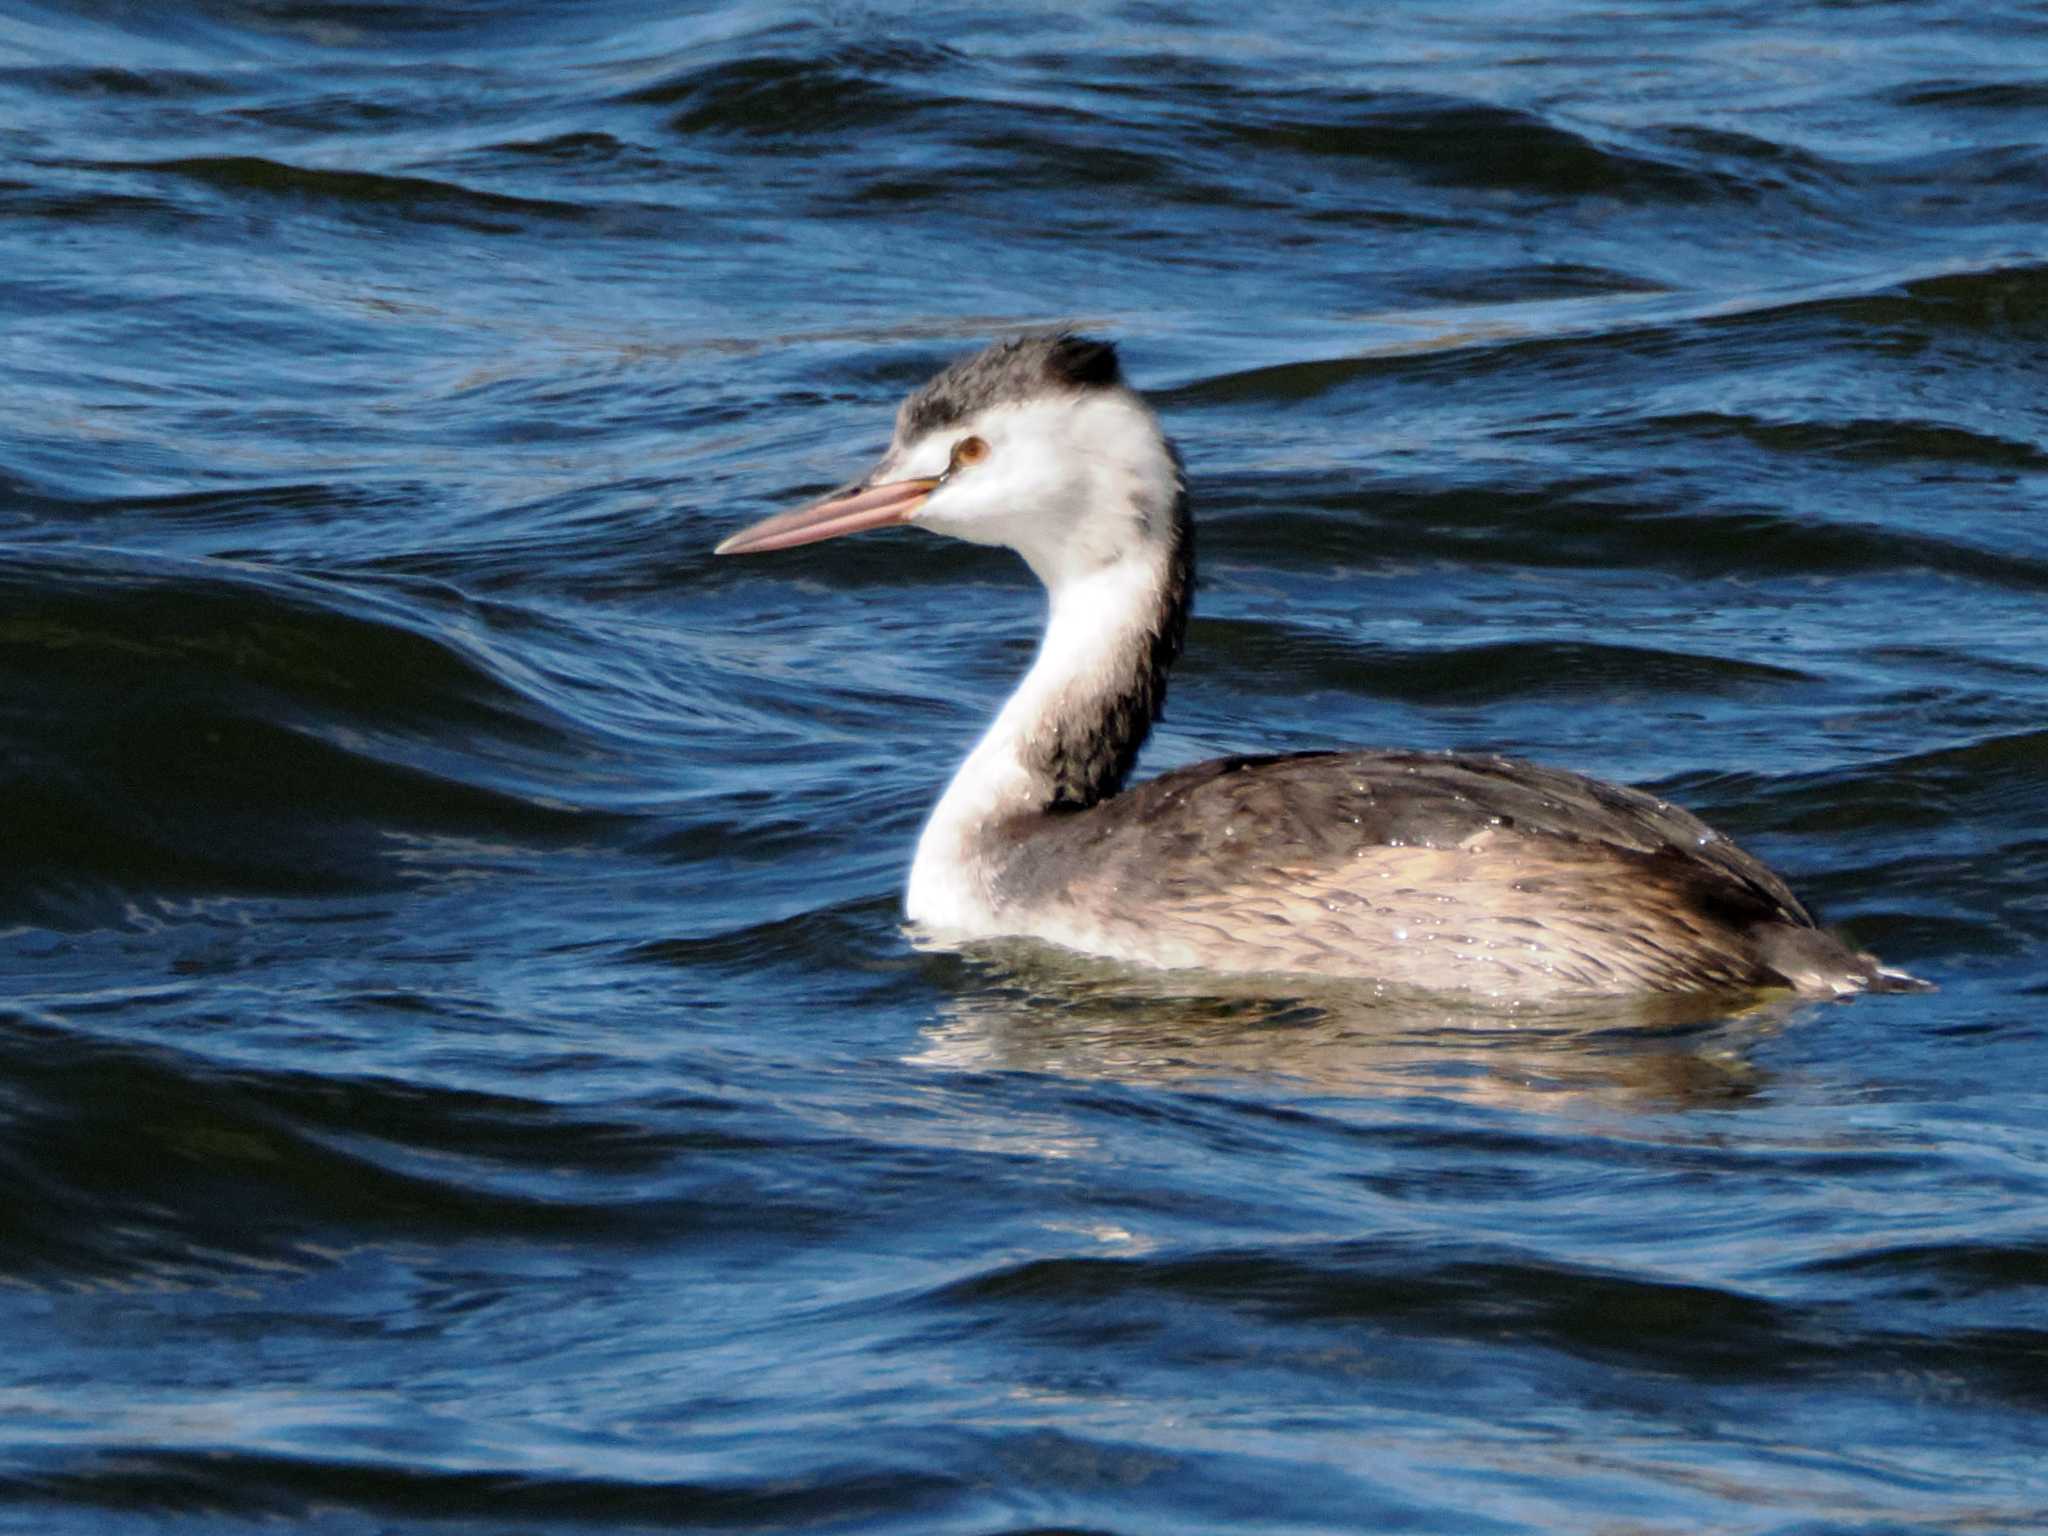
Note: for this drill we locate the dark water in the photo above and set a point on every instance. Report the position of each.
(461, 1067)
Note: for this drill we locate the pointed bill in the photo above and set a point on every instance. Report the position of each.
(864, 507)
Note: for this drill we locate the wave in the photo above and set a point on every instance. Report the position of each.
(1450, 1291)
(178, 726)
(782, 96)
(417, 199)
(131, 1165)
(245, 1483)
(1454, 142)
(989, 128)
(1629, 316)
(1507, 671)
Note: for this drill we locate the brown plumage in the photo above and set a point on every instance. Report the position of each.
(1478, 873)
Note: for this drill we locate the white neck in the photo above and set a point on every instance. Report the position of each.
(1098, 631)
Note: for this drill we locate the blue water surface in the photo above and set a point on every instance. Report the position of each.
(461, 1066)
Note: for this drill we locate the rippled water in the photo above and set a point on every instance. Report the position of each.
(461, 1066)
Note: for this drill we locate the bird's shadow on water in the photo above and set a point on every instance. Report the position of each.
(1023, 1007)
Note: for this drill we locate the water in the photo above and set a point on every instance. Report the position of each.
(462, 1068)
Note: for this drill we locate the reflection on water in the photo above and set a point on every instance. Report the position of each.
(1030, 1008)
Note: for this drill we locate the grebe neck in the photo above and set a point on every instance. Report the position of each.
(1067, 737)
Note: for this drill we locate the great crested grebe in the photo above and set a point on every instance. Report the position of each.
(1439, 871)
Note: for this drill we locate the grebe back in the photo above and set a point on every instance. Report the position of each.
(1442, 871)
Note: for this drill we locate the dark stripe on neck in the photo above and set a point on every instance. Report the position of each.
(1096, 737)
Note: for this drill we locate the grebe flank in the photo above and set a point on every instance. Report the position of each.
(1441, 871)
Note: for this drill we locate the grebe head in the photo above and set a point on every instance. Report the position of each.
(1035, 443)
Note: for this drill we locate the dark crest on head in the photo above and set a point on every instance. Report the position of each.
(1022, 368)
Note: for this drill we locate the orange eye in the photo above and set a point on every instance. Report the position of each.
(969, 450)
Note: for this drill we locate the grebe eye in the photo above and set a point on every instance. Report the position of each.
(969, 450)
